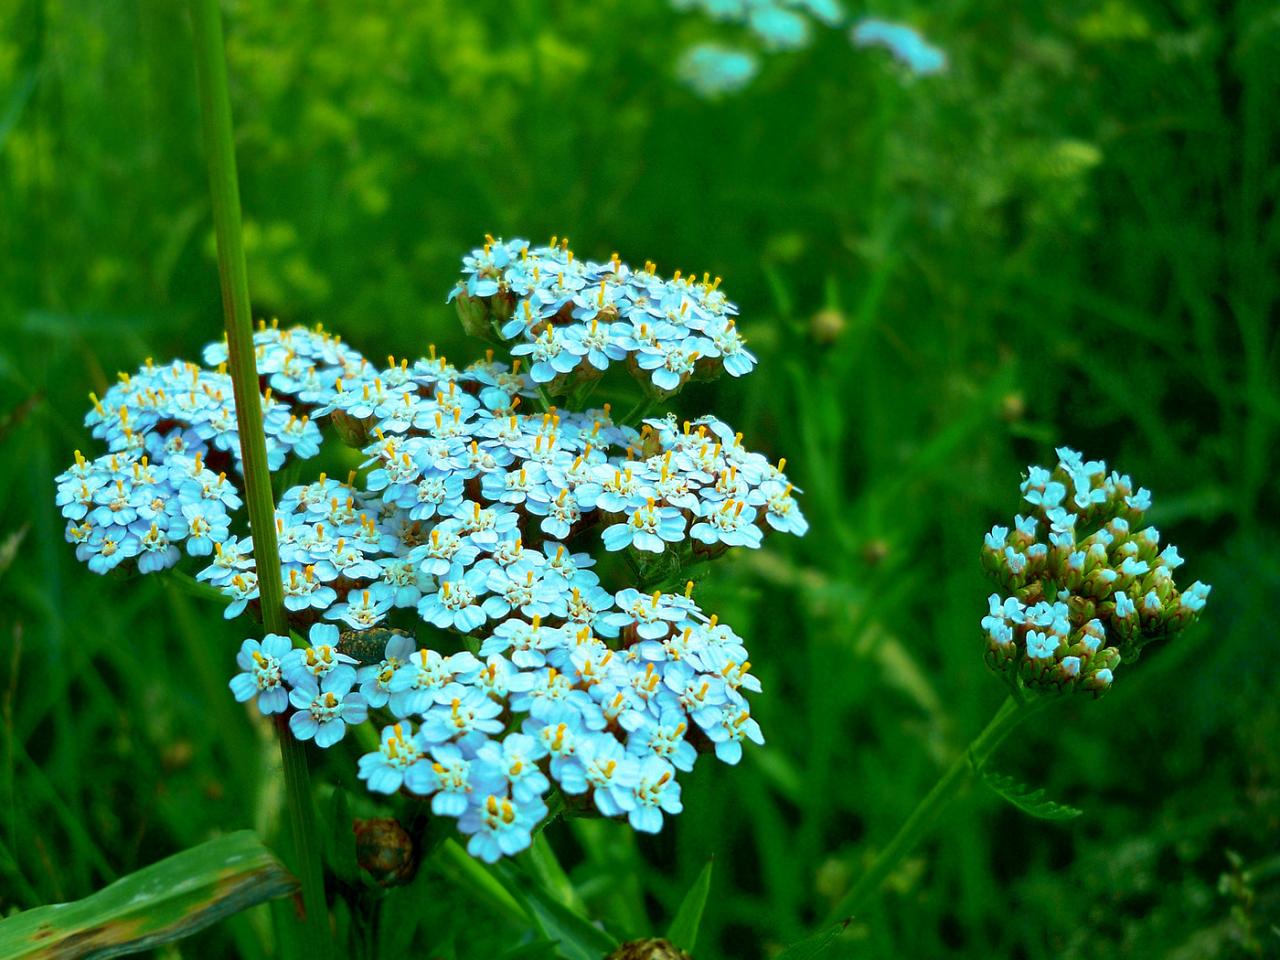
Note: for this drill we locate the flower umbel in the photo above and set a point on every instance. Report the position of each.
(471, 524)
(1085, 585)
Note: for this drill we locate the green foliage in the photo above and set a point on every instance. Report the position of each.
(166, 901)
(683, 931)
(1068, 238)
(1031, 802)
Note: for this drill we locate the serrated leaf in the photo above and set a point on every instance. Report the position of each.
(683, 931)
(157, 904)
(1032, 802)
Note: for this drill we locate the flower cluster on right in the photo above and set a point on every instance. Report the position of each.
(1085, 585)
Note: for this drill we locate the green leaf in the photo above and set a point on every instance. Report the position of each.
(481, 882)
(1029, 801)
(578, 938)
(683, 931)
(815, 946)
(165, 901)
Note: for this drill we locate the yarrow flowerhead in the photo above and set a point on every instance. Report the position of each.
(572, 319)
(448, 588)
(1085, 585)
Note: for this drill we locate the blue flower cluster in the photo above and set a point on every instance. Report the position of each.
(444, 514)
(780, 24)
(1086, 586)
(905, 43)
(168, 428)
(123, 507)
(299, 362)
(573, 318)
(486, 734)
(713, 70)
(181, 408)
(466, 522)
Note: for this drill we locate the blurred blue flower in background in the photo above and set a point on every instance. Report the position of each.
(780, 24)
(904, 42)
(712, 70)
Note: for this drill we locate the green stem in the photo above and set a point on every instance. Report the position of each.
(641, 410)
(224, 191)
(544, 399)
(927, 811)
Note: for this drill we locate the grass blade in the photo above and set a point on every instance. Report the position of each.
(683, 931)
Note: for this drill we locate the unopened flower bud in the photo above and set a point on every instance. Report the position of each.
(352, 431)
(475, 314)
(368, 646)
(386, 851)
(652, 949)
(826, 326)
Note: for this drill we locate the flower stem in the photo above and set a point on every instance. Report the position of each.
(641, 410)
(927, 811)
(224, 191)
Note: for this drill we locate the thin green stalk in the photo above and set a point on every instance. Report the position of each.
(641, 410)
(927, 811)
(224, 190)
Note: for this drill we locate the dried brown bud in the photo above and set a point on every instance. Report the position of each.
(826, 326)
(385, 850)
(653, 949)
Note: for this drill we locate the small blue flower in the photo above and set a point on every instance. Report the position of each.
(727, 523)
(600, 764)
(365, 608)
(427, 678)
(468, 721)
(263, 675)
(649, 528)
(1041, 644)
(207, 524)
(313, 664)
(325, 711)
(657, 791)
(736, 724)
(457, 604)
(385, 769)
(500, 827)
(1195, 596)
(712, 70)
(512, 766)
(447, 780)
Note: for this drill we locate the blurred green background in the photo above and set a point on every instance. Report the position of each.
(1070, 236)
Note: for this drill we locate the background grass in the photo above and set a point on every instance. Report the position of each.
(1069, 237)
